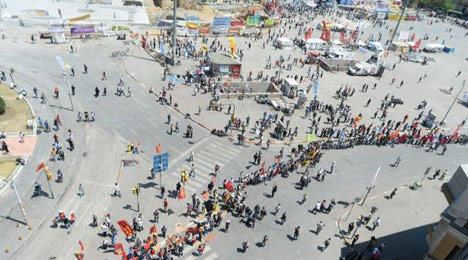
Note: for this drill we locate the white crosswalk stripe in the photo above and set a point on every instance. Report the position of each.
(227, 147)
(205, 161)
(220, 156)
(195, 255)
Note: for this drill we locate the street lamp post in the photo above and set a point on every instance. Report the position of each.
(398, 23)
(23, 212)
(371, 186)
(174, 31)
(442, 122)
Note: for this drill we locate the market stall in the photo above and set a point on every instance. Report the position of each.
(315, 44)
(284, 43)
(225, 66)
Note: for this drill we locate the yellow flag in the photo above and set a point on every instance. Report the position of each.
(232, 46)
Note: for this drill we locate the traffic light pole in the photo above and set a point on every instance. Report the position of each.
(46, 170)
(160, 171)
(138, 200)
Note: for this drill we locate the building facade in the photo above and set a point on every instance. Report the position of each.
(448, 239)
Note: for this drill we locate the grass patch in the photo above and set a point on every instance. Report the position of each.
(17, 112)
(7, 166)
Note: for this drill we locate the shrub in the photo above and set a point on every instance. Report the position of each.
(2, 106)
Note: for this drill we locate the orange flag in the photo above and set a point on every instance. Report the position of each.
(81, 245)
(181, 194)
(209, 238)
(158, 148)
(40, 167)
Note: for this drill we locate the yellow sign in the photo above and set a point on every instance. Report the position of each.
(79, 18)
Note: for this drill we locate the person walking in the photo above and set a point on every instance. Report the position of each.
(350, 228)
(376, 223)
(355, 239)
(104, 76)
(332, 167)
(444, 149)
(368, 102)
(165, 205)
(283, 218)
(265, 240)
(296, 233)
(190, 159)
(21, 137)
(117, 190)
(320, 226)
(80, 190)
(393, 193)
(85, 69)
(277, 209)
(156, 216)
(397, 162)
(326, 244)
(226, 225)
(443, 175)
(274, 190)
(192, 170)
(304, 198)
(56, 92)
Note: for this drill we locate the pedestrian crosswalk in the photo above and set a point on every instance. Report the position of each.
(207, 254)
(204, 162)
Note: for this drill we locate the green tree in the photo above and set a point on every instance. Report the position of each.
(2, 106)
(443, 5)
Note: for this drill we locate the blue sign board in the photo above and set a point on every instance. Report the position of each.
(160, 162)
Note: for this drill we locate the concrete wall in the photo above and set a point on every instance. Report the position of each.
(459, 181)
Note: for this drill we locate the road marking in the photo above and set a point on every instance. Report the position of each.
(227, 147)
(211, 257)
(224, 150)
(191, 257)
(217, 154)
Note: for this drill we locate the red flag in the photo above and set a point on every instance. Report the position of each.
(40, 167)
(263, 164)
(417, 44)
(153, 229)
(229, 186)
(158, 148)
(412, 37)
(126, 228)
(342, 37)
(118, 249)
(81, 245)
(181, 194)
(308, 34)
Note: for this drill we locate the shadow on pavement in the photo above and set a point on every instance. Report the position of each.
(407, 244)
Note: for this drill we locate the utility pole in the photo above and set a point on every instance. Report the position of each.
(174, 31)
(442, 122)
(398, 23)
(371, 186)
(12, 184)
